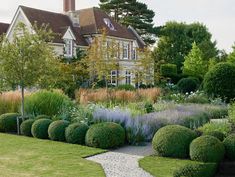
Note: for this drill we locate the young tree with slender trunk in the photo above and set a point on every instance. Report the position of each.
(26, 58)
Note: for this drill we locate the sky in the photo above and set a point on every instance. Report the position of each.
(217, 15)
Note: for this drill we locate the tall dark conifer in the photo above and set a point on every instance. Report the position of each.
(133, 13)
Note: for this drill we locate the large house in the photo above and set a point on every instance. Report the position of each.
(77, 28)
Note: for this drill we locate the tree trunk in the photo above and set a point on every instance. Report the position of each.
(22, 100)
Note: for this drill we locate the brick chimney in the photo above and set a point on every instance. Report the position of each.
(69, 5)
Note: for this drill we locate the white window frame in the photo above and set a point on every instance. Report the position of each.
(68, 47)
(128, 77)
(125, 51)
(109, 24)
(133, 54)
(113, 77)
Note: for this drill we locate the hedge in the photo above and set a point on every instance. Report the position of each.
(40, 128)
(76, 133)
(56, 130)
(8, 122)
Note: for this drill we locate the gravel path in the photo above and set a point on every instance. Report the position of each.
(123, 162)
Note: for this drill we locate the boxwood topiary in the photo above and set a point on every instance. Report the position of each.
(187, 85)
(25, 127)
(229, 144)
(56, 130)
(42, 117)
(105, 135)
(40, 128)
(216, 134)
(173, 141)
(8, 122)
(207, 149)
(76, 133)
(219, 81)
(197, 170)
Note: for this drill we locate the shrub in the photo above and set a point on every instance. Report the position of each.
(40, 128)
(223, 127)
(105, 135)
(47, 103)
(219, 81)
(8, 122)
(25, 127)
(197, 170)
(56, 130)
(168, 70)
(229, 144)
(187, 85)
(76, 133)
(42, 117)
(126, 87)
(207, 149)
(10, 102)
(231, 113)
(217, 134)
(149, 107)
(173, 141)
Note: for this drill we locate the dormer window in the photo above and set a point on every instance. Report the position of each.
(109, 24)
(68, 47)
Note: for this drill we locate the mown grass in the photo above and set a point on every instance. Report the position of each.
(29, 157)
(161, 166)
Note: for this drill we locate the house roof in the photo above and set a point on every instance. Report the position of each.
(92, 21)
(3, 28)
(57, 22)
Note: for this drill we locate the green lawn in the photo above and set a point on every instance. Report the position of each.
(26, 157)
(162, 167)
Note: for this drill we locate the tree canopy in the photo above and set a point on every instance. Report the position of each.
(176, 39)
(27, 58)
(231, 56)
(133, 13)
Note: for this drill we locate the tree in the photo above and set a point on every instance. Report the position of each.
(231, 56)
(102, 59)
(27, 58)
(133, 13)
(194, 65)
(144, 67)
(176, 39)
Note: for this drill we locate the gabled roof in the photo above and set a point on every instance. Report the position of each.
(57, 22)
(92, 21)
(3, 28)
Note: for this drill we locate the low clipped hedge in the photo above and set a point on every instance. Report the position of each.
(56, 130)
(40, 128)
(217, 134)
(173, 141)
(25, 127)
(196, 170)
(105, 135)
(229, 144)
(8, 122)
(207, 149)
(76, 133)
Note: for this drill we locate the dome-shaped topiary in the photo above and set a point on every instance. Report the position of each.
(173, 141)
(187, 85)
(216, 134)
(56, 130)
(105, 135)
(207, 149)
(229, 144)
(76, 133)
(25, 127)
(8, 122)
(219, 81)
(42, 117)
(40, 128)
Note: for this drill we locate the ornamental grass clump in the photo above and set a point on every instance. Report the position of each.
(50, 103)
(173, 141)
